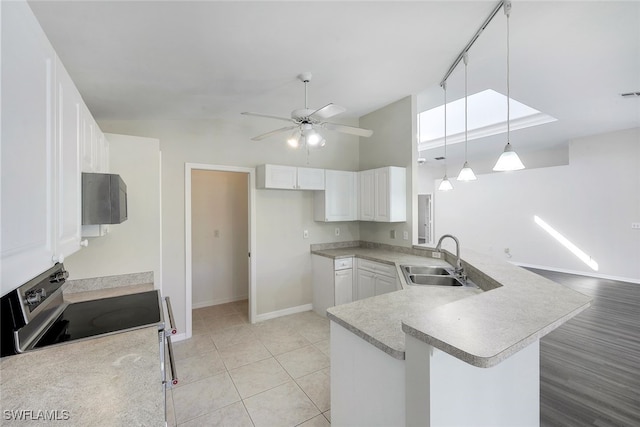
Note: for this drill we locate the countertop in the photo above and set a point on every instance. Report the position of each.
(482, 327)
(108, 381)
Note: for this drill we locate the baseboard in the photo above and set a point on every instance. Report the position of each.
(285, 312)
(178, 337)
(209, 303)
(579, 273)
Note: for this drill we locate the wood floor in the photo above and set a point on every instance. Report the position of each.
(590, 366)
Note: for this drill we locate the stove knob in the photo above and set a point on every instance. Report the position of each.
(34, 297)
(60, 276)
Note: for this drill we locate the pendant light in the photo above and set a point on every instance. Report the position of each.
(508, 160)
(466, 173)
(445, 184)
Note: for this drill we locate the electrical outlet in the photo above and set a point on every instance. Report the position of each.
(437, 255)
(635, 225)
(305, 234)
(337, 231)
(405, 235)
(392, 234)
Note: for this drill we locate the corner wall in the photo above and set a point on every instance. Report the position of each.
(393, 143)
(283, 260)
(134, 245)
(592, 202)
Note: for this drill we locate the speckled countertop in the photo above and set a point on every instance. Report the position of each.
(513, 309)
(109, 381)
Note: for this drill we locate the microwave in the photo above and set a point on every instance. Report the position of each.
(104, 199)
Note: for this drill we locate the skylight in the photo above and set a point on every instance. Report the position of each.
(487, 113)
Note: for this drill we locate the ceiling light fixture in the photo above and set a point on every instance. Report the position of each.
(466, 173)
(445, 184)
(508, 160)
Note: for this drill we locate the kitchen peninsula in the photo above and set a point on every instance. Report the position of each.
(435, 355)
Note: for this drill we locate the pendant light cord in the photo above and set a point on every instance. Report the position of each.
(507, 11)
(466, 60)
(444, 86)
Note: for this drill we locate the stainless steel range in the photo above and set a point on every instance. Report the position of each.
(35, 316)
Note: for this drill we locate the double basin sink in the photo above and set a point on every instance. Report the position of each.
(433, 275)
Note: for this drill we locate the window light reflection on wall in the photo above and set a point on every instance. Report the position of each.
(582, 256)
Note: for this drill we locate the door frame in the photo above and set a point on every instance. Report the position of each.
(251, 172)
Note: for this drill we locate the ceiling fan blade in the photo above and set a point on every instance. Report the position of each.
(348, 129)
(273, 132)
(286, 119)
(327, 111)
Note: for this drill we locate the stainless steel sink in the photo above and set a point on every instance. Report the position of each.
(431, 279)
(433, 275)
(419, 269)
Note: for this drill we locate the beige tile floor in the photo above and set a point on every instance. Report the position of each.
(273, 374)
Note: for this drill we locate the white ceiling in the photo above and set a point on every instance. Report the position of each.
(214, 59)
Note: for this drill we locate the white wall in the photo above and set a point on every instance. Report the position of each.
(592, 202)
(393, 144)
(134, 245)
(282, 255)
(219, 228)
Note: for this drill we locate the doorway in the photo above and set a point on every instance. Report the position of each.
(425, 219)
(219, 231)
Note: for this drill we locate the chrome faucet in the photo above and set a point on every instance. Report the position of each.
(459, 271)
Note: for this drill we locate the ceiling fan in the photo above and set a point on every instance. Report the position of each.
(308, 122)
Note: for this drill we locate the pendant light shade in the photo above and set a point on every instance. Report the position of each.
(466, 173)
(508, 160)
(445, 184)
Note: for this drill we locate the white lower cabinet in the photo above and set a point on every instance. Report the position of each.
(332, 282)
(374, 278)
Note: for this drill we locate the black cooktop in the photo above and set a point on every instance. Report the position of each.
(97, 317)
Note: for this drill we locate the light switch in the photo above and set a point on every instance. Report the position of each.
(305, 234)
(337, 231)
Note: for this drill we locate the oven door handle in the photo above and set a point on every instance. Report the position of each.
(172, 325)
(167, 334)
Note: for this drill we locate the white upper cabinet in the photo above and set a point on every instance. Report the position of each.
(339, 200)
(383, 194)
(68, 192)
(289, 177)
(28, 146)
(367, 195)
(41, 133)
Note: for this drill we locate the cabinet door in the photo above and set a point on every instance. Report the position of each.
(365, 285)
(367, 195)
(68, 131)
(88, 141)
(384, 284)
(278, 177)
(28, 152)
(341, 195)
(310, 179)
(382, 195)
(343, 286)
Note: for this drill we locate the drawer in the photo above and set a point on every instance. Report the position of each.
(342, 263)
(379, 268)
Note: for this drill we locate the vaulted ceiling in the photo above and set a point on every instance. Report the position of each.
(214, 59)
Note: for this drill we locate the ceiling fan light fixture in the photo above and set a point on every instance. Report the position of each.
(294, 139)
